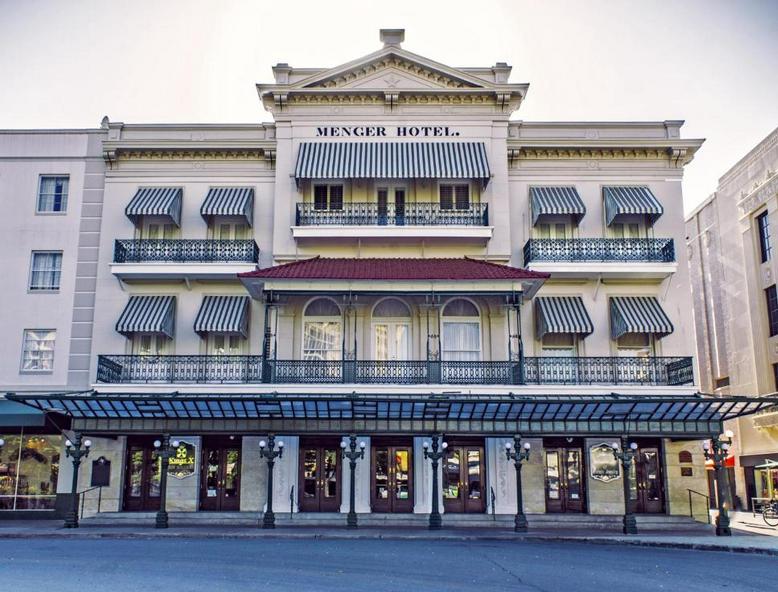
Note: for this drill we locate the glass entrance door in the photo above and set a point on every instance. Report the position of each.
(391, 340)
(392, 478)
(646, 490)
(564, 479)
(141, 484)
(220, 477)
(463, 479)
(319, 478)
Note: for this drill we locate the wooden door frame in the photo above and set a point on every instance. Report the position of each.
(146, 443)
(640, 501)
(320, 444)
(561, 445)
(462, 501)
(392, 444)
(222, 444)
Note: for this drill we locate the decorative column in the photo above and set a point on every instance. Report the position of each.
(718, 453)
(432, 304)
(76, 452)
(518, 454)
(268, 338)
(352, 455)
(515, 344)
(435, 455)
(165, 449)
(268, 451)
(626, 455)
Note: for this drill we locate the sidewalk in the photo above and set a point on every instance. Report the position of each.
(740, 542)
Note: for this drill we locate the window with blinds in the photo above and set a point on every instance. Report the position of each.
(328, 197)
(455, 197)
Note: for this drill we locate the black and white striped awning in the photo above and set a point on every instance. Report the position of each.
(392, 160)
(638, 314)
(156, 201)
(562, 314)
(630, 200)
(556, 200)
(223, 314)
(148, 314)
(229, 201)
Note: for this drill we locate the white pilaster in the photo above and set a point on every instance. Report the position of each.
(422, 475)
(362, 479)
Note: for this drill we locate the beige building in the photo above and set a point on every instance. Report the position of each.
(731, 240)
(395, 257)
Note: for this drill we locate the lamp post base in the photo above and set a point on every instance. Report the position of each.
(161, 521)
(520, 523)
(351, 520)
(722, 526)
(269, 520)
(436, 522)
(71, 520)
(630, 525)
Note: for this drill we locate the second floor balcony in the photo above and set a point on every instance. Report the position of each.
(614, 257)
(371, 219)
(218, 369)
(183, 258)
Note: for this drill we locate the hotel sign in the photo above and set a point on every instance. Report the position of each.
(380, 131)
(604, 466)
(182, 463)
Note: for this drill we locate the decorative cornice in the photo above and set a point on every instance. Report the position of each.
(112, 155)
(587, 153)
(753, 200)
(395, 98)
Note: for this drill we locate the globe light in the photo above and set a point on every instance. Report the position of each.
(175, 443)
(157, 443)
(281, 444)
(2, 442)
(362, 445)
(343, 444)
(444, 445)
(68, 444)
(88, 443)
(634, 446)
(725, 446)
(615, 445)
(425, 445)
(262, 443)
(729, 434)
(508, 445)
(527, 446)
(706, 445)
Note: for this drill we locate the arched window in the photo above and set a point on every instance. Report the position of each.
(461, 339)
(391, 330)
(322, 330)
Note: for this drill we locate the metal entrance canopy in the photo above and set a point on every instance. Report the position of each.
(692, 416)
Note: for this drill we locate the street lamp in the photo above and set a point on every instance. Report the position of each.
(626, 456)
(165, 449)
(518, 454)
(718, 453)
(76, 452)
(435, 455)
(268, 451)
(352, 455)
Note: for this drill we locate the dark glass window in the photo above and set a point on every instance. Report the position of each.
(328, 197)
(454, 197)
(772, 309)
(320, 197)
(765, 247)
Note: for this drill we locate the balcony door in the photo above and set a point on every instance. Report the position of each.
(320, 470)
(646, 483)
(230, 231)
(220, 476)
(391, 331)
(391, 477)
(391, 205)
(464, 479)
(141, 483)
(565, 476)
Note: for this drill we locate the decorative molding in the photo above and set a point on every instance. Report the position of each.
(394, 98)
(404, 65)
(574, 153)
(751, 201)
(111, 156)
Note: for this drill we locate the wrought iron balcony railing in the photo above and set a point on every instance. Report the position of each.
(411, 214)
(251, 369)
(185, 250)
(650, 250)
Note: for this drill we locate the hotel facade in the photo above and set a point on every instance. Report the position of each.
(393, 258)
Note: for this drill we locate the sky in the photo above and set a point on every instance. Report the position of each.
(65, 64)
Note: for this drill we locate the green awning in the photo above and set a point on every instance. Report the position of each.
(16, 415)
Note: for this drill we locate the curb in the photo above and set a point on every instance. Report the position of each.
(696, 546)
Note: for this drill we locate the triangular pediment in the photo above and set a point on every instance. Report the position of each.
(393, 69)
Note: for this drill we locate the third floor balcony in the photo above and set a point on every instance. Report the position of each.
(609, 257)
(183, 258)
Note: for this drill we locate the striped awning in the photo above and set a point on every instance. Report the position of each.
(229, 201)
(562, 314)
(638, 314)
(156, 201)
(223, 314)
(556, 200)
(630, 200)
(392, 160)
(148, 314)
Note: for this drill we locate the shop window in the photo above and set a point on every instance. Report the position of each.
(765, 245)
(53, 195)
(772, 309)
(29, 468)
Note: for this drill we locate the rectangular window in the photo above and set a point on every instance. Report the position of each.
(53, 194)
(635, 344)
(561, 345)
(29, 467)
(322, 340)
(772, 309)
(38, 350)
(328, 197)
(46, 270)
(765, 247)
(455, 197)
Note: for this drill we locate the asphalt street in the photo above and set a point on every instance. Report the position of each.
(230, 565)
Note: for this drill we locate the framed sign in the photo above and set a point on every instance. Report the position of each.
(604, 466)
(182, 463)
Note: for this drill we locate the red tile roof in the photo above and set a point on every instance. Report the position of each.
(324, 268)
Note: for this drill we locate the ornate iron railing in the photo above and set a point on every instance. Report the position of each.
(652, 250)
(411, 214)
(185, 250)
(251, 369)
